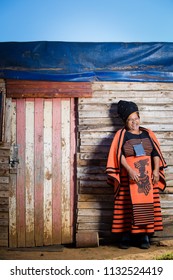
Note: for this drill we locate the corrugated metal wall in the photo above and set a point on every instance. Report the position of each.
(41, 210)
(98, 122)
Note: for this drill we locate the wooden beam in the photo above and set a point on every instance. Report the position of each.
(47, 89)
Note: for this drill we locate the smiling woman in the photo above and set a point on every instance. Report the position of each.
(136, 172)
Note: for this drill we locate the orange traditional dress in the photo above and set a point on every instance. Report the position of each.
(136, 205)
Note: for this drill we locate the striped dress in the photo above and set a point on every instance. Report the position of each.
(123, 210)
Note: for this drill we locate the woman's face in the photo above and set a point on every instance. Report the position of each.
(133, 122)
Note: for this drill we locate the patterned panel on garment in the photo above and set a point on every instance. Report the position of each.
(142, 192)
(129, 150)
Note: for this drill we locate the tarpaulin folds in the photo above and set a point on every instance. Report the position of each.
(82, 61)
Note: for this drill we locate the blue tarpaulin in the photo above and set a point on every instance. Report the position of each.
(78, 61)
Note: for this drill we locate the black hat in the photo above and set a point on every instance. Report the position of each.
(126, 108)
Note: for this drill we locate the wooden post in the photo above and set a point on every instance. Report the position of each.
(87, 239)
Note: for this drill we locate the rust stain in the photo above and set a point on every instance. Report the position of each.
(12, 193)
(40, 138)
(48, 175)
(63, 143)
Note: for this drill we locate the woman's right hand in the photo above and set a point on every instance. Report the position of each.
(133, 174)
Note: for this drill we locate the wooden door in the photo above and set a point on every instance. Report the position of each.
(41, 204)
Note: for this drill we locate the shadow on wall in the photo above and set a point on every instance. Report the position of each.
(102, 192)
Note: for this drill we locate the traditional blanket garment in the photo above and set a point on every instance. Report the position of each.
(136, 205)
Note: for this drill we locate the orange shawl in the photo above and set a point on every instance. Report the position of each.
(114, 160)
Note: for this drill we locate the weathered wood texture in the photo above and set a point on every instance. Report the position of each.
(41, 203)
(87, 239)
(4, 193)
(98, 122)
(47, 89)
(2, 106)
(4, 174)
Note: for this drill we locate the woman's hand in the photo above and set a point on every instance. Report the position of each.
(133, 174)
(155, 176)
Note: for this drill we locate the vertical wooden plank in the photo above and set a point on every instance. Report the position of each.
(21, 173)
(47, 172)
(72, 165)
(29, 173)
(56, 176)
(8, 120)
(2, 105)
(12, 212)
(39, 174)
(10, 134)
(65, 195)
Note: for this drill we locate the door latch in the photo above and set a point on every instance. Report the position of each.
(14, 157)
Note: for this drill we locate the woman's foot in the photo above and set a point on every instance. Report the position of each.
(144, 242)
(125, 241)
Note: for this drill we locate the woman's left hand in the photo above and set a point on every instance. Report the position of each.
(155, 177)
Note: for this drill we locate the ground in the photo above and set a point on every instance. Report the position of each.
(103, 252)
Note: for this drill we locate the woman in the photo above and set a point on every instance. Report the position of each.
(135, 169)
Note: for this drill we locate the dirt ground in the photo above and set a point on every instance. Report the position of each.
(103, 252)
